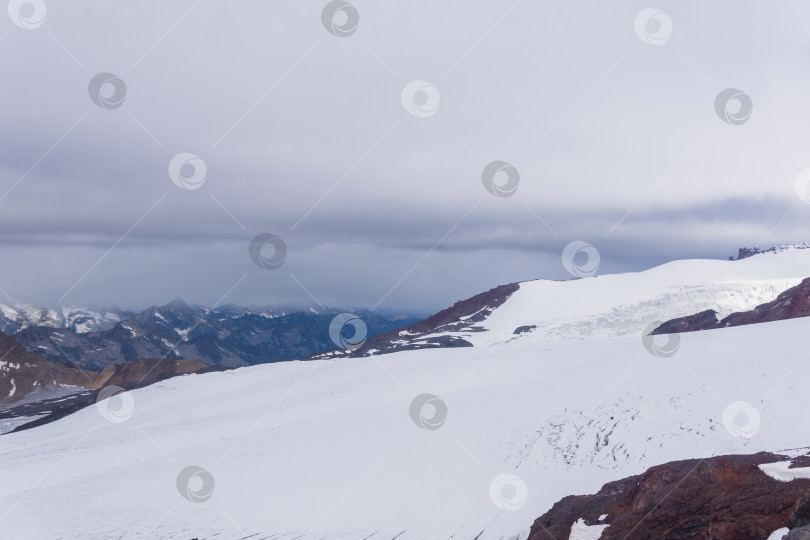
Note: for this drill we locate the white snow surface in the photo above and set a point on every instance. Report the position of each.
(781, 471)
(8, 424)
(581, 531)
(328, 449)
(624, 304)
(779, 534)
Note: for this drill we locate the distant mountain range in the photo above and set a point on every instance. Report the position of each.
(229, 335)
(27, 378)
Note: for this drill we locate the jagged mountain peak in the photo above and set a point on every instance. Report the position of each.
(745, 252)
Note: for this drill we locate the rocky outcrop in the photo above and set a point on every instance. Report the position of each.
(719, 498)
(802, 533)
(124, 377)
(744, 253)
(23, 373)
(146, 369)
(704, 320)
(800, 514)
(437, 331)
(790, 304)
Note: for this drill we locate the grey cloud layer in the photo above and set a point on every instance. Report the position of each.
(292, 122)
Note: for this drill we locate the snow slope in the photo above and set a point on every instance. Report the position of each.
(624, 304)
(328, 449)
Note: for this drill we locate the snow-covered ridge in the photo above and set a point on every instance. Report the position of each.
(603, 306)
(625, 304)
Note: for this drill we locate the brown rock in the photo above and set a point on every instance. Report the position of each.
(145, 369)
(461, 317)
(790, 304)
(21, 371)
(719, 498)
(800, 515)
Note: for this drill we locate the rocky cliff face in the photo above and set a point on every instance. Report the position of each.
(790, 304)
(719, 498)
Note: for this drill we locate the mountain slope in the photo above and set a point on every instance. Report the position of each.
(790, 304)
(462, 442)
(23, 372)
(444, 329)
(28, 377)
(334, 446)
(607, 305)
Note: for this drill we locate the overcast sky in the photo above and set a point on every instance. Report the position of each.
(607, 113)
